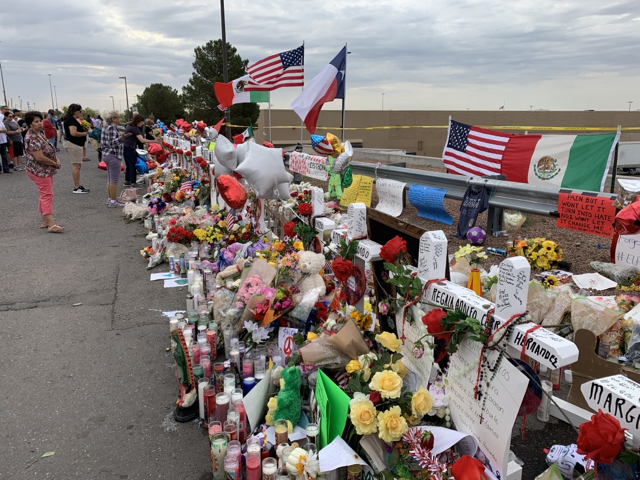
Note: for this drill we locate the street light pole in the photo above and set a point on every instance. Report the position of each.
(113, 103)
(382, 102)
(53, 105)
(55, 90)
(4, 93)
(630, 102)
(225, 71)
(126, 91)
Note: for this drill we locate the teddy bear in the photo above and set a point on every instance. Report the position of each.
(310, 265)
(232, 270)
(289, 404)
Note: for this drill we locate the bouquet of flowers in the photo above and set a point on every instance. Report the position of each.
(147, 252)
(156, 205)
(542, 254)
(474, 255)
(179, 235)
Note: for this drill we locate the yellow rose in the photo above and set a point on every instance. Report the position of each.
(311, 336)
(399, 368)
(389, 341)
(421, 402)
(363, 415)
(353, 366)
(388, 383)
(391, 425)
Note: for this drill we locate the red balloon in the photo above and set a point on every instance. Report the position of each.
(232, 192)
(102, 166)
(154, 149)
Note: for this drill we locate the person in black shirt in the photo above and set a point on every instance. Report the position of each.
(75, 139)
(130, 155)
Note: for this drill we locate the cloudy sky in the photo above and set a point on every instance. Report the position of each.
(435, 54)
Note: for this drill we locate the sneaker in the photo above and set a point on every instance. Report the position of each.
(80, 189)
(126, 184)
(12, 166)
(115, 204)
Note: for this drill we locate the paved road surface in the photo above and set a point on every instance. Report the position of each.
(92, 383)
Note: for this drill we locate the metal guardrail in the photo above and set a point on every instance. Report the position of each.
(535, 199)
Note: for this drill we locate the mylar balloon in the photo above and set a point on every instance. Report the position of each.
(241, 150)
(231, 191)
(264, 169)
(321, 145)
(154, 149)
(226, 153)
(338, 148)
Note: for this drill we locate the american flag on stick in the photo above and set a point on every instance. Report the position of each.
(186, 186)
(280, 70)
(474, 151)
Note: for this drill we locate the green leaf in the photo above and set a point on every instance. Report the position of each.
(48, 454)
(394, 458)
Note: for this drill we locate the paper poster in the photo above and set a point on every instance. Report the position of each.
(163, 276)
(338, 454)
(359, 191)
(256, 400)
(390, 196)
(586, 213)
(491, 426)
(333, 404)
(176, 282)
(309, 165)
(594, 281)
(429, 201)
(412, 331)
(628, 250)
(285, 340)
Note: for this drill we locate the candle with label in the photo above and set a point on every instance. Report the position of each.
(218, 452)
(253, 466)
(222, 406)
(202, 383)
(282, 431)
(269, 468)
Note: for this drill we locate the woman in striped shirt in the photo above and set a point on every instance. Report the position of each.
(111, 143)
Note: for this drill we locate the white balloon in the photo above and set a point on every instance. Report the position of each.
(264, 169)
(242, 149)
(221, 169)
(226, 152)
(283, 189)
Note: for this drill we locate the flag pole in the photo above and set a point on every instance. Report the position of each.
(346, 54)
(270, 139)
(302, 121)
(614, 170)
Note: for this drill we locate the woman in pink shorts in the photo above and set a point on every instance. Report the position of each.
(42, 165)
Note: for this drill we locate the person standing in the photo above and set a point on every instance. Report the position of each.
(129, 152)
(3, 141)
(14, 134)
(75, 138)
(54, 125)
(42, 165)
(111, 146)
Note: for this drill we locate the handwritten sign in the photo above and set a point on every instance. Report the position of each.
(359, 191)
(422, 366)
(513, 287)
(429, 201)
(309, 165)
(390, 196)
(618, 396)
(432, 255)
(628, 250)
(585, 213)
(285, 341)
(492, 425)
(317, 200)
(356, 220)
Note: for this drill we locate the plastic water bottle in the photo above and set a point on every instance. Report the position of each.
(501, 233)
(497, 251)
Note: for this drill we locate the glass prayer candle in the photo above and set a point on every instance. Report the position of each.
(253, 466)
(206, 351)
(247, 367)
(195, 353)
(212, 338)
(209, 404)
(202, 330)
(354, 472)
(247, 384)
(234, 448)
(226, 335)
(242, 349)
(205, 362)
(215, 427)
(242, 432)
(230, 380)
(233, 416)
(218, 369)
(312, 430)
(311, 448)
(231, 466)
(286, 451)
(231, 429)
(259, 362)
(269, 468)
(238, 406)
(218, 452)
(253, 445)
(236, 395)
(234, 354)
(260, 373)
(198, 371)
(222, 407)
(283, 474)
(277, 360)
(173, 324)
(282, 431)
(202, 384)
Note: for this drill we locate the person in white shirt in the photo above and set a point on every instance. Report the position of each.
(3, 141)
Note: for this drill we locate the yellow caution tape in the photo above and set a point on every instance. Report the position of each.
(494, 127)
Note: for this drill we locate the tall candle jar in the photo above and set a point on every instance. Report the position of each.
(218, 452)
(253, 466)
(222, 407)
(269, 468)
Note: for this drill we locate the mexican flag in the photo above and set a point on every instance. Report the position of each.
(233, 92)
(568, 161)
(241, 137)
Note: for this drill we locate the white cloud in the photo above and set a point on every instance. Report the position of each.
(452, 54)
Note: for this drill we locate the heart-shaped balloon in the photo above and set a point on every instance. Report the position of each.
(231, 191)
(359, 285)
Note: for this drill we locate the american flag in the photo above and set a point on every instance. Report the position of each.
(186, 186)
(231, 220)
(474, 151)
(284, 69)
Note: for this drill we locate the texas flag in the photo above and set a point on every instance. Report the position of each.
(325, 87)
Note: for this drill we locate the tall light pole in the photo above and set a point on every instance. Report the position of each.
(382, 102)
(19, 102)
(630, 102)
(55, 90)
(126, 91)
(53, 105)
(225, 72)
(113, 102)
(4, 93)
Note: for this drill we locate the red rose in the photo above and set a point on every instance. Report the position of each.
(179, 151)
(199, 159)
(342, 269)
(288, 229)
(394, 247)
(193, 148)
(294, 194)
(300, 197)
(433, 321)
(187, 153)
(375, 397)
(305, 209)
(468, 468)
(601, 439)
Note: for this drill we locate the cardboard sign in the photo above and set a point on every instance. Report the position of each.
(628, 250)
(585, 213)
(503, 400)
(356, 220)
(285, 341)
(390, 196)
(317, 201)
(359, 191)
(429, 201)
(618, 396)
(309, 165)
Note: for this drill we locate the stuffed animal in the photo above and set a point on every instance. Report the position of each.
(231, 270)
(289, 403)
(310, 265)
(568, 460)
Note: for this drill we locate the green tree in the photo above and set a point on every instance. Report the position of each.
(198, 96)
(86, 111)
(161, 100)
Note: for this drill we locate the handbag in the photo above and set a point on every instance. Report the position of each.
(128, 195)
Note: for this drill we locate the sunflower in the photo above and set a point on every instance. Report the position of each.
(549, 245)
(551, 281)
